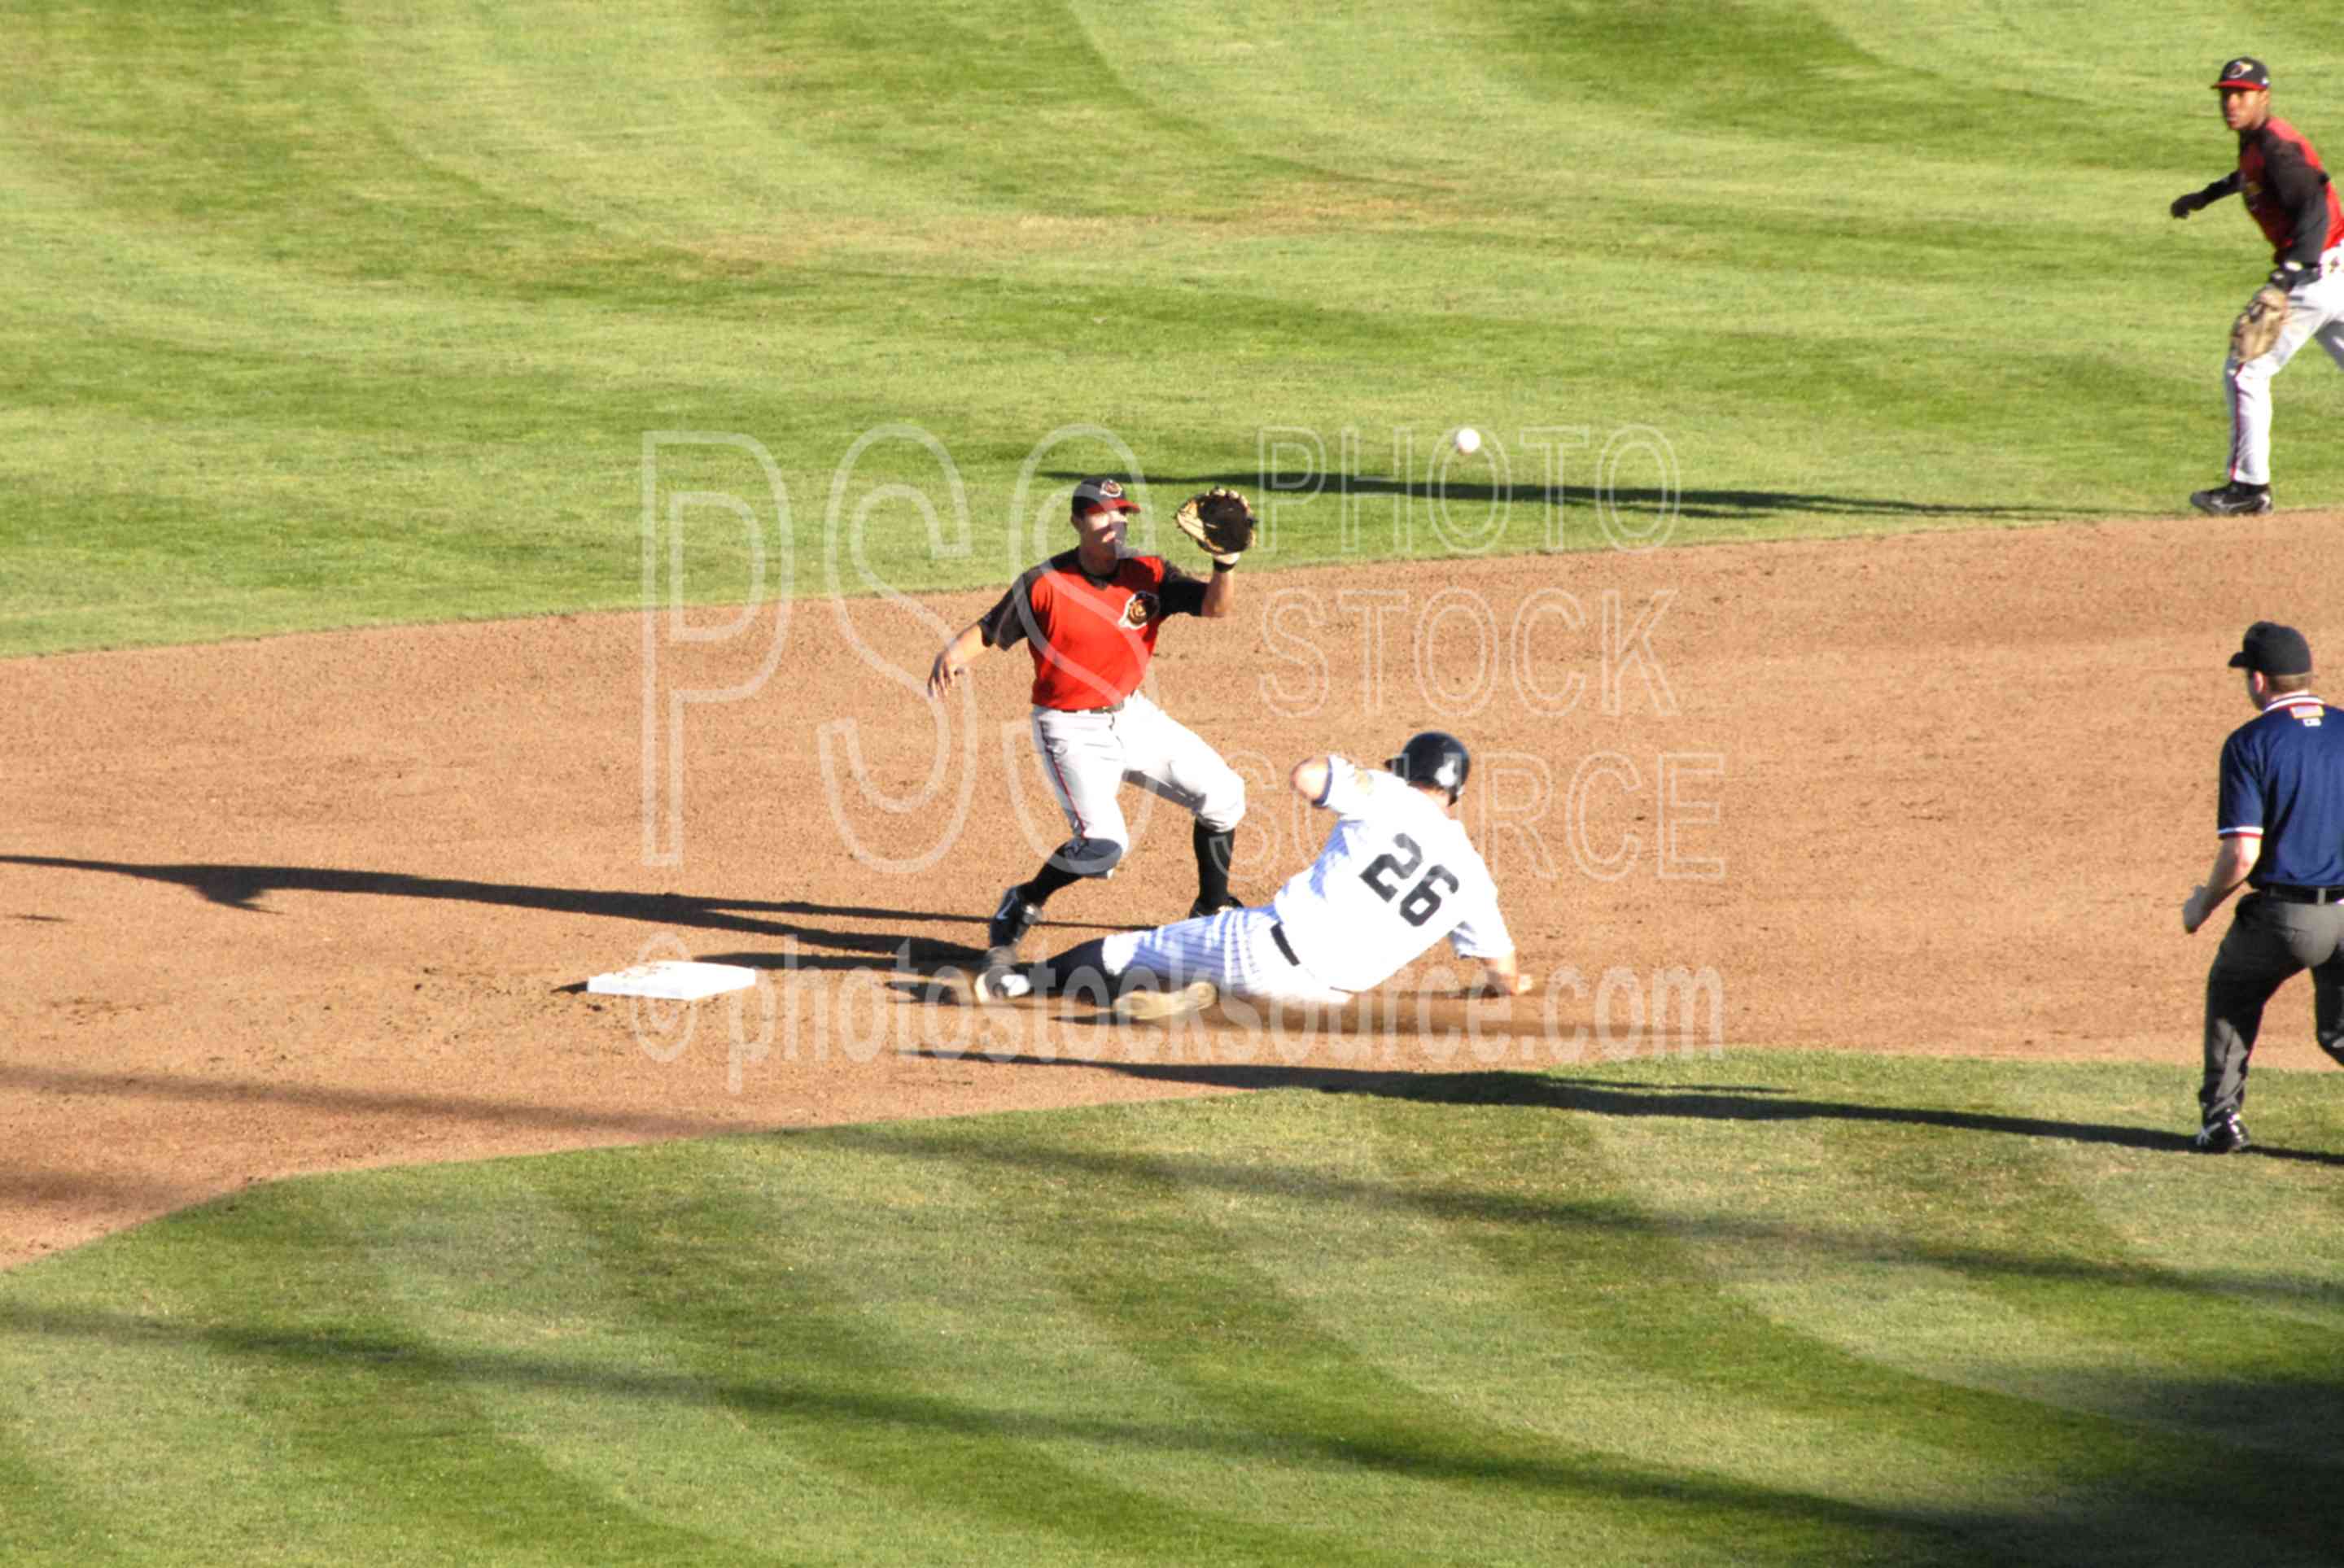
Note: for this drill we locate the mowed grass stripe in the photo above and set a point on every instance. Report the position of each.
(517, 1297)
(1649, 1297)
(1769, 1203)
(489, 249)
(2268, 1247)
(2148, 100)
(805, 1273)
(2173, 1331)
(128, 1396)
(1056, 115)
(49, 1518)
(635, 124)
(1486, 1316)
(1779, 63)
(273, 1444)
(377, 1443)
(255, 135)
(2095, 1333)
(1202, 1314)
(1402, 1282)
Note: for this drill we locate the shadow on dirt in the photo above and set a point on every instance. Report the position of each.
(242, 887)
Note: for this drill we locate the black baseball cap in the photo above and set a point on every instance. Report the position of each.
(2246, 71)
(1101, 491)
(2273, 649)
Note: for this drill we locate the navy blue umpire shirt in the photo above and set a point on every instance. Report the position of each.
(2283, 777)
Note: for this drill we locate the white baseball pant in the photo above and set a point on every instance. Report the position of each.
(1087, 757)
(2314, 311)
(1234, 949)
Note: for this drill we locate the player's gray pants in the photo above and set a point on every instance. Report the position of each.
(1088, 757)
(1234, 949)
(2268, 943)
(2315, 310)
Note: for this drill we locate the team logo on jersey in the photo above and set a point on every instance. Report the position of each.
(1140, 610)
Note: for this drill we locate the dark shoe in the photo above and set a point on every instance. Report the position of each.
(1204, 907)
(2221, 1135)
(2233, 500)
(1011, 917)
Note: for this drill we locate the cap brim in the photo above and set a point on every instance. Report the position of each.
(2242, 659)
(2250, 86)
(1126, 505)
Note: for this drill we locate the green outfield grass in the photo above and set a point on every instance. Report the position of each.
(317, 314)
(322, 315)
(1754, 1307)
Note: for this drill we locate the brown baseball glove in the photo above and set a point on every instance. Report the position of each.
(1221, 522)
(2259, 324)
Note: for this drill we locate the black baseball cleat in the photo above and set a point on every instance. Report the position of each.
(1011, 918)
(2223, 1134)
(1204, 907)
(2232, 500)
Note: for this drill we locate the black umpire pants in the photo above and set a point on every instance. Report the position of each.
(2268, 943)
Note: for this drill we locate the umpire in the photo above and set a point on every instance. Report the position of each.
(2282, 830)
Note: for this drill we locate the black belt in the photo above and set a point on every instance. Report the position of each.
(1278, 935)
(2289, 893)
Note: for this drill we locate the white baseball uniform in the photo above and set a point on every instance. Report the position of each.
(1088, 754)
(2315, 309)
(1397, 874)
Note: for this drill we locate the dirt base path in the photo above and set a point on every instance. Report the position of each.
(324, 901)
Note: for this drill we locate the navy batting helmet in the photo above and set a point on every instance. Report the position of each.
(1434, 757)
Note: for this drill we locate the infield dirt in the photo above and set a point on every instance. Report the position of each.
(324, 901)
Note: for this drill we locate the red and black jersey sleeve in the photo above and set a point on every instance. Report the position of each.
(2301, 191)
(1013, 618)
(2288, 193)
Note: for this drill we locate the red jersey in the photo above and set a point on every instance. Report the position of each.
(1091, 638)
(2288, 193)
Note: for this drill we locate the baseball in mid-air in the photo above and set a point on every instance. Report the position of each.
(1467, 440)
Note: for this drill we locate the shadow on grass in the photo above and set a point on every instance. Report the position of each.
(1596, 1211)
(1613, 1097)
(241, 887)
(1720, 505)
(2265, 1499)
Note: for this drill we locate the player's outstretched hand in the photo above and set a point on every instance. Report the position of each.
(943, 672)
(2183, 206)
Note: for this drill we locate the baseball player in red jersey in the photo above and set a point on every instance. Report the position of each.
(1089, 618)
(2288, 195)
